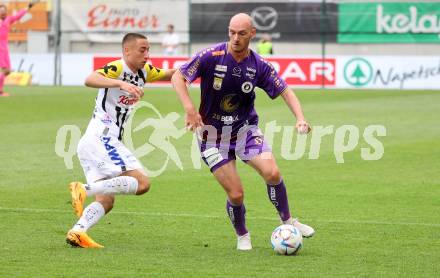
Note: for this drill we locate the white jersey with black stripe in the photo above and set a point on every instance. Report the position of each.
(113, 106)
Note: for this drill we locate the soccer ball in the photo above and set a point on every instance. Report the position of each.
(286, 240)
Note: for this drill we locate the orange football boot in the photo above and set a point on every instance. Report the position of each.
(78, 197)
(81, 239)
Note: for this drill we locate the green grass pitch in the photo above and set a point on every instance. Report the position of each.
(372, 218)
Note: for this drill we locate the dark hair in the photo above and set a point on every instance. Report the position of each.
(131, 37)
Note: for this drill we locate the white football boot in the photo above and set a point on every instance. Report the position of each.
(305, 230)
(244, 242)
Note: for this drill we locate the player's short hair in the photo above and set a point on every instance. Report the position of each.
(131, 37)
(3, 6)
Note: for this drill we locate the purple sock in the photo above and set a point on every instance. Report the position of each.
(278, 196)
(237, 216)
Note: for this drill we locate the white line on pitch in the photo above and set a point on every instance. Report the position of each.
(189, 215)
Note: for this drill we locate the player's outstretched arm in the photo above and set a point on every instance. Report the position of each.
(96, 80)
(17, 16)
(168, 74)
(294, 105)
(193, 120)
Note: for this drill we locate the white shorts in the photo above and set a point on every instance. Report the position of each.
(104, 157)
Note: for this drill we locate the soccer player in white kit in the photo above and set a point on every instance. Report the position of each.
(109, 166)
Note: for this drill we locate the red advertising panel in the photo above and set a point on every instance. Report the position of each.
(305, 71)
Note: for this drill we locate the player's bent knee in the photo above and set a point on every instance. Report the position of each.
(143, 185)
(236, 197)
(273, 176)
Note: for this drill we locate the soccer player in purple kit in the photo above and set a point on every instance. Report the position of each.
(229, 73)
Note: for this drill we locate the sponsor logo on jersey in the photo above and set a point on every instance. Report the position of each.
(218, 53)
(227, 120)
(221, 68)
(250, 75)
(230, 103)
(251, 69)
(250, 72)
(126, 100)
(236, 71)
(217, 84)
(106, 119)
(247, 87)
(193, 69)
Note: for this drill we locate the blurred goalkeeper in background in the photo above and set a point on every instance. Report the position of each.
(5, 22)
(109, 166)
(227, 123)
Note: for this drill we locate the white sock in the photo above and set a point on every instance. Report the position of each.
(91, 215)
(118, 185)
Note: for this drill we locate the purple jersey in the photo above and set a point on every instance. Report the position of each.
(227, 87)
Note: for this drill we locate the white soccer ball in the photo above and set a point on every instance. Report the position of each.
(286, 240)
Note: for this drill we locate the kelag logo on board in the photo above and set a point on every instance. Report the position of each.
(389, 22)
(411, 21)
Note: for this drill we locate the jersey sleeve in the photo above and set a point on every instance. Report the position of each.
(153, 73)
(270, 81)
(111, 70)
(17, 16)
(193, 69)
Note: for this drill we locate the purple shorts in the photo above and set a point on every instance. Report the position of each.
(246, 145)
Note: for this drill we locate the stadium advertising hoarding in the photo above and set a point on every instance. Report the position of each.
(388, 72)
(283, 20)
(99, 20)
(409, 22)
(297, 71)
(345, 72)
(41, 66)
